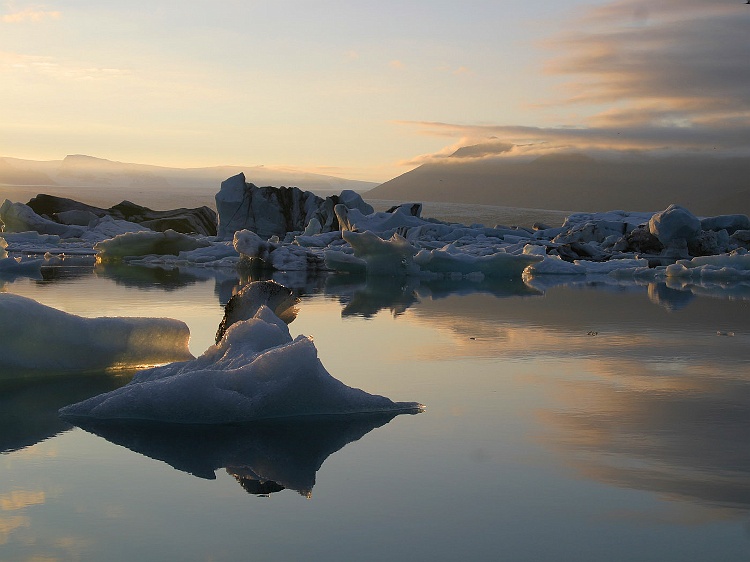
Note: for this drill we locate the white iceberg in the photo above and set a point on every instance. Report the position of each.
(255, 372)
(38, 339)
(146, 242)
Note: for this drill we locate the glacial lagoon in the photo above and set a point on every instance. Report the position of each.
(580, 419)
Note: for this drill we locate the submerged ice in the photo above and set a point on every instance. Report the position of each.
(255, 372)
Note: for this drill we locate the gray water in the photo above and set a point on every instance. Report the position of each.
(586, 422)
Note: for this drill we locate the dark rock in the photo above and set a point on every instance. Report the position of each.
(201, 220)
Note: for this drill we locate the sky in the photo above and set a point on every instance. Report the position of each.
(369, 90)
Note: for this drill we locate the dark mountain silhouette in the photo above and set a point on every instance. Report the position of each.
(577, 182)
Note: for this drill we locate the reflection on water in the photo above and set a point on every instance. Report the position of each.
(683, 435)
(28, 408)
(366, 296)
(571, 418)
(264, 456)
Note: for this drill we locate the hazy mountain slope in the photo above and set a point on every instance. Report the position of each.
(705, 185)
(80, 171)
(11, 174)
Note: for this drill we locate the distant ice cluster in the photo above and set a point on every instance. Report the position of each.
(288, 229)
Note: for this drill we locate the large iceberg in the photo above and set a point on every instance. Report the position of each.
(39, 340)
(273, 211)
(255, 372)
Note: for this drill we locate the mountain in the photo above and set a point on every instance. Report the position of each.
(576, 182)
(101, 182)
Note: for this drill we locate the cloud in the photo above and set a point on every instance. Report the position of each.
(397, 64)
(468, 147)
(680, 62)
(666, 77)
(32, 15)
(52, 67)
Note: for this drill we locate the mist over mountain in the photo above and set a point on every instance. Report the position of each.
(578, 182)
(105, 181)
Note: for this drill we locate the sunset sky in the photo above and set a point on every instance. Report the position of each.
(369, 90)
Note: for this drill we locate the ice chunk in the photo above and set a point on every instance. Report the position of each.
(730, 223)
(674, 223)
(554, 265)
(353, 200)
(450, 259)
(283, 257)
(245, 304)
(255, 372)
(403, 216)
(38, 339)
(107, 227)
(17, 267)
(145, 243)
(21, 218)
(392, 257)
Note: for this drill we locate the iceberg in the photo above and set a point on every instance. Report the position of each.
(273, 211)
(255, 372)
(39, 340)
(145, 243)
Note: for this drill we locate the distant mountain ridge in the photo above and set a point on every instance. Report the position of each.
(80, 170)
(706, 185)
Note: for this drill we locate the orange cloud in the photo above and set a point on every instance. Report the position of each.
(669, 78)
(29, 15)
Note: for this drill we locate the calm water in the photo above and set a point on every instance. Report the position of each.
(570, 423)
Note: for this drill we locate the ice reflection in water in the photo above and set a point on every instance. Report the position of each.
(263, 456)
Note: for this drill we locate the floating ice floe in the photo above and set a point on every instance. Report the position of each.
(255, 372)
(10, 267)
(145, 243)
(40, 340)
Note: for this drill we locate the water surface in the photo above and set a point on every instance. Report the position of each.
(563, 422)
